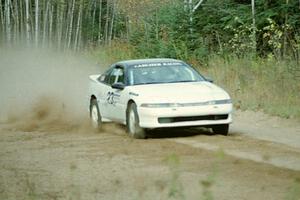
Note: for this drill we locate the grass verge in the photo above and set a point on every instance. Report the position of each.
(267, 85)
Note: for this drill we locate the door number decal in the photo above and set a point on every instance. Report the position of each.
(112, 98)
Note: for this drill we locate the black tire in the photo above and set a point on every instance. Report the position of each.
(222, 129)
(132, 123)
(95, 115)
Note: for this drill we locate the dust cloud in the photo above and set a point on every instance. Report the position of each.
(44, 90)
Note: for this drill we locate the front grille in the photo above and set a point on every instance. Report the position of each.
(164, 120)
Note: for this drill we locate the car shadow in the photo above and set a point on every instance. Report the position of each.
(177, 132)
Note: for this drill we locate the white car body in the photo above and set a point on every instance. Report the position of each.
(187, 103)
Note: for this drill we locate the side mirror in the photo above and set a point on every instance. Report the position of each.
(118, 86)
(209, 79)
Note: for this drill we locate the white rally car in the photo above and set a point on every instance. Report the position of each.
(157, 93)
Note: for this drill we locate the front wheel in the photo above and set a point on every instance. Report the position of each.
(133, 126)
(222, 129)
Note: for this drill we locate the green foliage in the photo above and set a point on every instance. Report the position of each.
(220, 27)
(276, 84)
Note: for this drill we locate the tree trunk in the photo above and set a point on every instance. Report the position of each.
(197, 5)
(156, 25)
(112, 22)
(1, 16)
(253, 26)
(37, 13)
(65, 27)
(31, 20)
(100, 21)
(191, 16)
(71, 25)
(8, 24)
(106, 23)
(50, 26)
(17, 23)
(285, 32)
(78, 26)
(21, 21)
(80, 34)
(59, 29)
(45, 23)
(27, 22)
(94, 18)
(2, 23)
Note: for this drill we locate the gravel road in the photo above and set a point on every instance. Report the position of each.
(68, 161)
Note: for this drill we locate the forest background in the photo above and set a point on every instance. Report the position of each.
(249, 47)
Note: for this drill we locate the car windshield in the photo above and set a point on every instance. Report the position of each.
(162, 73)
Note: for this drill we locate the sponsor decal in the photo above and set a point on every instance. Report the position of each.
(112, 98)
(158, 64)
(133, 94)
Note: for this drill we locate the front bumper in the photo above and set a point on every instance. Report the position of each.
(149, 117)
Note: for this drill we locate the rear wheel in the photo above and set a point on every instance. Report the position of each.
(222, 129)
(95, 114)
(133, 126)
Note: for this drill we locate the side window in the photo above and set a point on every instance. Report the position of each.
(120, 76)
(116, 75)
(104, 77)
(112, 77)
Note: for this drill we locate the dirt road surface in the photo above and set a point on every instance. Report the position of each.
(48, 152)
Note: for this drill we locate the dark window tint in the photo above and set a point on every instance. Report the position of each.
(116, 75)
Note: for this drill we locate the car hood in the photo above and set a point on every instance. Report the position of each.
(189, 92)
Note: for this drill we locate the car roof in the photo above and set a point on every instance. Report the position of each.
(128, 63)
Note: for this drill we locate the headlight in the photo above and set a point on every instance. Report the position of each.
(168, 105)
(158, 105)
(225, 101)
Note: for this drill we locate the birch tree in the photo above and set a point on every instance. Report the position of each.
(100, 21)
(8, 24)
(78, 27)
(16, 22)
(71, 24)
(37, 13)
(197, 5)
(2, 22)
(22, 21)
(94, 7)
(192, 9)
(253, 25)
(27, 22)
(50, 25)
(285, 31)
(112, 22)
(107, 22)
(59, 21)
(45, 23)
